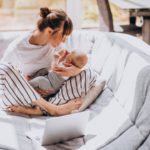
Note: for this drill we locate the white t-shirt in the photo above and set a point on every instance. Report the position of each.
(27, 57)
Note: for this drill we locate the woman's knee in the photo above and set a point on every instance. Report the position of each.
(7, 69)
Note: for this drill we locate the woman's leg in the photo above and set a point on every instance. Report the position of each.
(14, 89)
(75, 87)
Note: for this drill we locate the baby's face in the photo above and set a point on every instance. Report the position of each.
(76, 59)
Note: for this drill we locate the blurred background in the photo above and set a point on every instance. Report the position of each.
(22, 14)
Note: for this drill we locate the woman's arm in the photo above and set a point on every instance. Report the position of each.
(48, 107)
(53, 110)
(57, 110)
(44, 93)
(69, 71)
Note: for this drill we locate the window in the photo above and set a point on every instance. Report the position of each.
(23, 14)
(89, 15)
(119, 16)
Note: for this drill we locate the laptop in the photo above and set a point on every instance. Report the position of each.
(59, 129)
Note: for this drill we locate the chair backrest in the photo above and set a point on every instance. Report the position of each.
(105, 14)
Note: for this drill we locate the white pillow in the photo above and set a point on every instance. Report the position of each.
(91, 96)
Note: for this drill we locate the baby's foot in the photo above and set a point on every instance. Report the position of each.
(16, 109)
(69, 107)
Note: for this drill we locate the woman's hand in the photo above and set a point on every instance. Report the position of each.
(41, 103)
(67, 71)
(44, 93)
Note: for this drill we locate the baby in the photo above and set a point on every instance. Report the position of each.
(49, 80)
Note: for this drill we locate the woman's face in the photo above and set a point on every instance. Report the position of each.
(57, 38)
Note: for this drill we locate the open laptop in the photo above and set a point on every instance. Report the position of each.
(59, 129)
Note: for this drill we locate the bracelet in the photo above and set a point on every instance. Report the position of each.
(44, 113)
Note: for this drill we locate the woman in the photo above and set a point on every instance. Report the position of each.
(34, 50)
(31, 53)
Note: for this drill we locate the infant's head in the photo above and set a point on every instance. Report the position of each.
(78, 59)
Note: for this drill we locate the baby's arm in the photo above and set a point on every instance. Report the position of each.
(60, 56)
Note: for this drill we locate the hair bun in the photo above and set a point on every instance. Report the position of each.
(44, 12)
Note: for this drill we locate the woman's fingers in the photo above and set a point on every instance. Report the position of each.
(67, 64)
(67, 71)
(43, 92)
(58, 68)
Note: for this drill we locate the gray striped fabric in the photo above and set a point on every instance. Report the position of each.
(14, 89)
(75, 87)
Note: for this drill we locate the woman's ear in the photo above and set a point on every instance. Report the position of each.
(48, 31)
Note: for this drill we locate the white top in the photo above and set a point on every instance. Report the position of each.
(27, 57)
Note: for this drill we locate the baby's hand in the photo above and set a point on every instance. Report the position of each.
(67, 64)
(62, 55)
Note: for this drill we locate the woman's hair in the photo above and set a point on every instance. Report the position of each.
(55, 19)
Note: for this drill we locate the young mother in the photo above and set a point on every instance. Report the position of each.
(30, 53)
